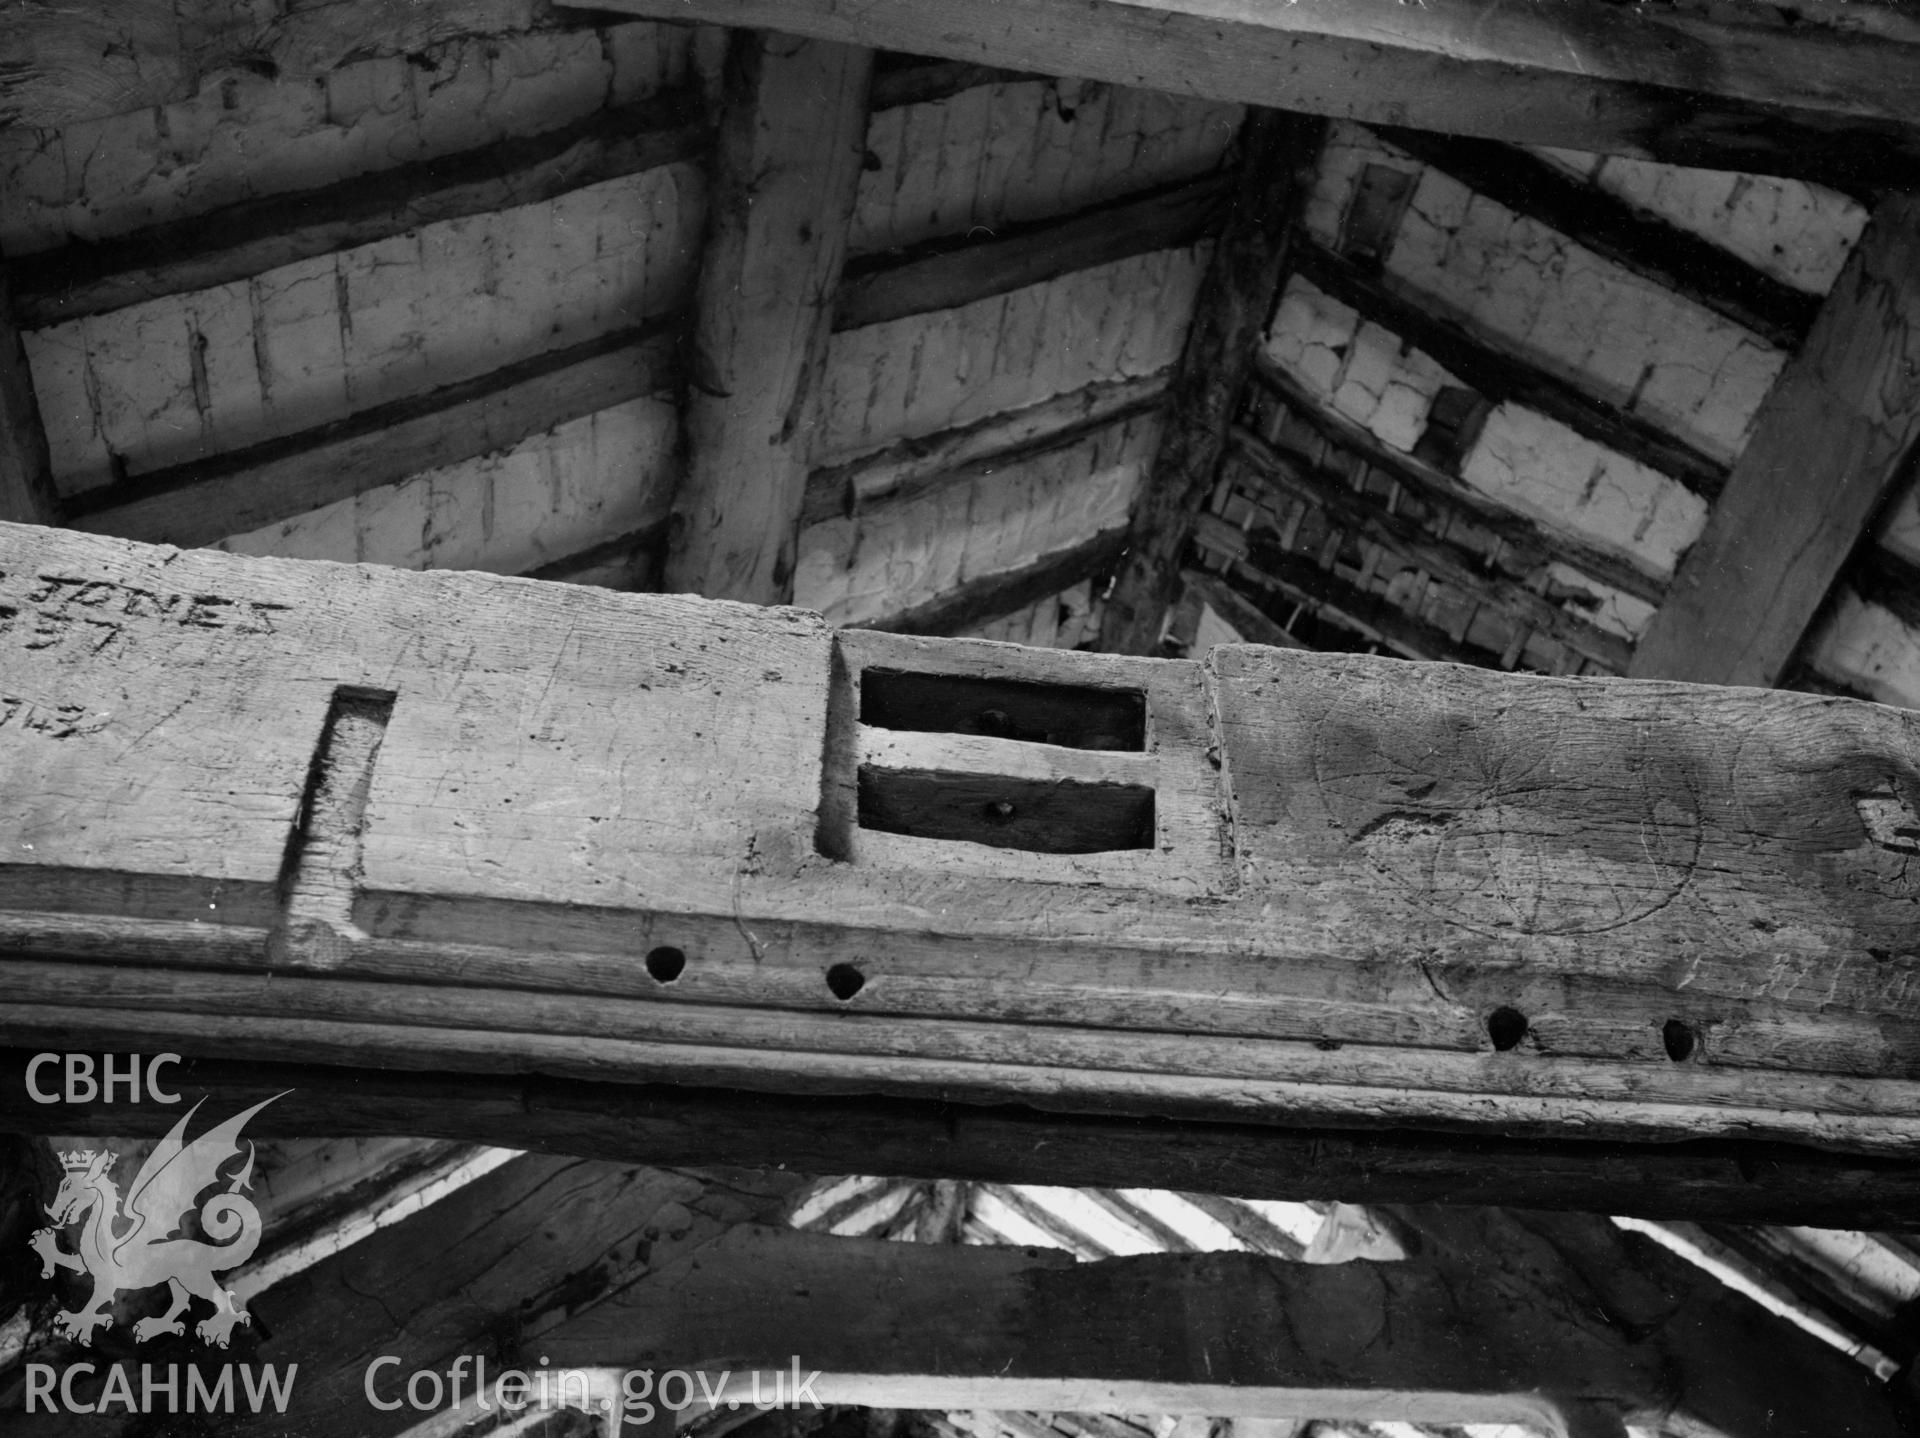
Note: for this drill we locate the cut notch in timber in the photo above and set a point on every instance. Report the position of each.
(322, 864)
(1015, 790)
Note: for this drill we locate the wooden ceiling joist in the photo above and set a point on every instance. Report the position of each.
(928, 1139)
(1231, 312)
(1482, 363)
(993, 596)
(27, 494)
(1776, 92)
(912, 466)
(1834, 437)
(945, 275)
(740, 795)
(239, 241)
(202, 501)
(792, 135)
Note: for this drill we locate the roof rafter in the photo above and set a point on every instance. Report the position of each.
(1835, 434)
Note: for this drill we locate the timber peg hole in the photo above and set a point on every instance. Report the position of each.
(1678, 1037)
(1506, 1027)
(844, 981)
(666, 963)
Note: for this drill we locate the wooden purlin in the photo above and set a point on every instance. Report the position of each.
(1822, 96)
(569, 782)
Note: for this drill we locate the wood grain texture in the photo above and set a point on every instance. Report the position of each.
(1229, 316)
(1354, 864)
(788, 161)
(27, 495)
(1809, 99)
(1571, 1313)
(1834, 439)
(1740, 1181)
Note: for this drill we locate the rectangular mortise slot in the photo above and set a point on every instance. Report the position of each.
(1042, 816)
(1069, 715)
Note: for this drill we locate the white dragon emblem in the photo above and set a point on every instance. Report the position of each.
(139, 1246)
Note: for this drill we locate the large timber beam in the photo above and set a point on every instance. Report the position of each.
(1720, 1180)
(1821, 97)
(1230, 318)
(477, 1273)
(359, 816)
(572, 1265)
(792, 133)
(1836, 434)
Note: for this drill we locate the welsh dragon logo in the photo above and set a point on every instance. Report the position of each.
(136, 1245)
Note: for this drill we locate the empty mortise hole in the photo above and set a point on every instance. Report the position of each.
(1043, 816)
(844, 981)
(666, 963)
(1677, 1035)
(1506, 1027)
(1072, 716)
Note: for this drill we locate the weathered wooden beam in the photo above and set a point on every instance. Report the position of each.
(1439, 898)
(994, 596)
(678, 1124)
(792, 134)
(27, 494)
(908, 1138)
(946, 274)
(201, 501)
(254, 236)
(1673, 258)
(1816, 98)
(911, 465)
(1480, 362)
(1733, 1367)
(1230, 315)
(1835, 435)
(1457, 1333)
(1249, 621)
